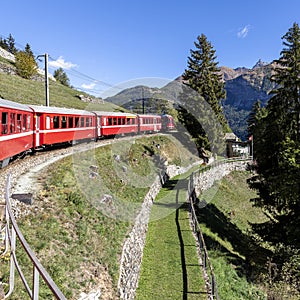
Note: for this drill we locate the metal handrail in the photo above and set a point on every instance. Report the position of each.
(12, 232)
(213, 291)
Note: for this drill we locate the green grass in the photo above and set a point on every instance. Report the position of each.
(170, 267)
(18, 89)
(237, 256)
(75, 234)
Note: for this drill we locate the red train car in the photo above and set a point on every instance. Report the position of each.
(167, 123)
(115, 123)
(54, 125)
(16, 130)
(149, 123)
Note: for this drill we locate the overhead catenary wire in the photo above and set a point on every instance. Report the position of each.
(74, 73)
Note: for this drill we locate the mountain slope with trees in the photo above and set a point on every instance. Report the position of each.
(276, 132)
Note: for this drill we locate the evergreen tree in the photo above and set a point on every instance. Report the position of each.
(277, 149)
(28, 50)
(11, 45)
(3, 44)
(200, 110)
(61, 76)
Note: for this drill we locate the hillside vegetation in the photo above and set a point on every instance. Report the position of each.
(18, 89)
(75, 232)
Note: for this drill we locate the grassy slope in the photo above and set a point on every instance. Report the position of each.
(26, 91)
(170, 267)
(232, 251)
(236, 256)
(72, 232)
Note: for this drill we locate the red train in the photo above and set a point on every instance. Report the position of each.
(25, 128)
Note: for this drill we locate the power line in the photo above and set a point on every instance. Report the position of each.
(72, 72)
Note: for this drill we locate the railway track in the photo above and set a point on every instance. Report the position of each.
(24, 171)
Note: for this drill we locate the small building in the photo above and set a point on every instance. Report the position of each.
(235, 147)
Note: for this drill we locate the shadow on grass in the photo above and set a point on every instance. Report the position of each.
(182, 184)
(255, 255)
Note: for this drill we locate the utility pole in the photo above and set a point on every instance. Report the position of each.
(46, 78)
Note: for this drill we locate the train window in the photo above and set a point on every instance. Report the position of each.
(63, 122)
(119, 121)
(82, 122)
(28, 122)
(76, 121)
(19, 122)
(24, 128)
(56, 122)
(71, 124)
(109, 121)
(4, 129)
(48, 126)
(87, 122)
(133, 121)
(127, 121)
(123, 121)
(12, 122)
(90, 122)
(115, 121)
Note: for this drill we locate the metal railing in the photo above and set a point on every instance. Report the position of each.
(207, 265)
(12, 233)
(192, 199)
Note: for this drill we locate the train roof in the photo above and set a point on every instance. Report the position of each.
(14, 105)
(149, 115)
(115, 114)
(60, 110)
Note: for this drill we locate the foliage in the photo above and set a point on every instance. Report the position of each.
(8, 44)
(277, 144)
(276, 133)
(25, 64)
(61, 76)
(199, 107)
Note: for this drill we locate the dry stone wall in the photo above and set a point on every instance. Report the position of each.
(133, 247)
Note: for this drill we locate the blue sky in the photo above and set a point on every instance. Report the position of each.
(107, 43)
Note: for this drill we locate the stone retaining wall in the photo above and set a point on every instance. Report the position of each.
(134, 244)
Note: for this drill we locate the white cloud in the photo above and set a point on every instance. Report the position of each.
(61, 63)
(88, 86)
(243, 32)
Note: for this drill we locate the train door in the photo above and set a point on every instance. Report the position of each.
(37, 130)
(98, 127)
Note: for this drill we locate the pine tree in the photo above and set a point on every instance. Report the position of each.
(3, 44)
(200, 110)
(61, 76)
(277, 149)
(28, 50)
(11, 45)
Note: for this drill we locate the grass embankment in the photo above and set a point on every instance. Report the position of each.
(170, 269)
(170, 266)
(79, 221)
(236, 255)
(18, 89)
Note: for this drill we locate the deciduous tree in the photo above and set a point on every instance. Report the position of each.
(25, 64)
